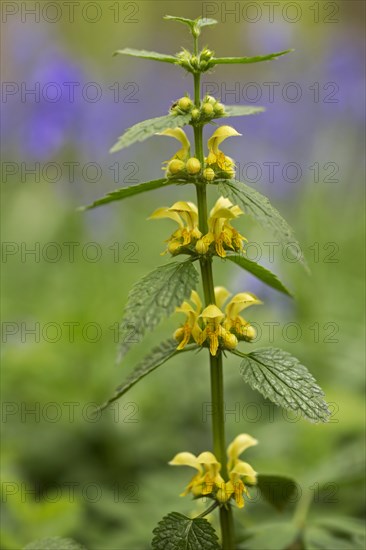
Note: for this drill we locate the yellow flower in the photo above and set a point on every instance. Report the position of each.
(234, 322)
(171, 166)
(208, 480)
(221, 231)
(212, 317)
(207, 466)
(190, 329)
(215, 156)
(185, 214)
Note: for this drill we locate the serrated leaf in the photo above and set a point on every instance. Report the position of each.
(316, 538)
(259, 207)
(147, 128)
(262, 273)
(158, 356)
(154, 297)
(125, 192)
(143, 54)
(277, 490)
(54, 543)
(280, 377)
(242, 110)
(270, 536)
(245, 60)
(177, 532)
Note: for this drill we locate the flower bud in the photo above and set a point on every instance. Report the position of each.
(185, 103)
(194, 62)
(210, 99)
(206, 54)
(222, 495)
(175, 166)
(230, 173)
(219, 109)
(209, 174)
(201, 247)
(207, 109)
(230, 340)
(195, 114)
(249, 333)
(193, 166)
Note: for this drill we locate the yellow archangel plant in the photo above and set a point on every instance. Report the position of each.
(213, 321)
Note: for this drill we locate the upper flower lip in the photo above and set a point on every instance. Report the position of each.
(220, 135)
(181, 136)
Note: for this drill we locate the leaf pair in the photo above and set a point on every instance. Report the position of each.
(166, 58)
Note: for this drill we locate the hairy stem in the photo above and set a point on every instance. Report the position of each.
(217, 383)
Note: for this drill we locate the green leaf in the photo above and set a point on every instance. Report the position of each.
(258, 206)
(316, 538)
(125, 192)
(177, 532)
(54, 543)
(277, 490)
(242, 110)
(147, 128)
(345, 526)
(154, 297)
(259, 271)
(185, 20)
(270, 536)
(280, 377)
(245, 60)
(205, 22)
(194, 24)
(147, 55)
(158, 356)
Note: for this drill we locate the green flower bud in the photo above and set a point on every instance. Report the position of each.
(207, 109)
(209, 174)
(185, 103)
(206, 54)
(175, 166)
(193, 166)
(210, 99)
(195, 114)
(194, 62)
(219, 109)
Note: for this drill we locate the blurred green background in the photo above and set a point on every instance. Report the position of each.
(106, 482)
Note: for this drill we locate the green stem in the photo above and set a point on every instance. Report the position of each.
(217, 382)
(302, 509)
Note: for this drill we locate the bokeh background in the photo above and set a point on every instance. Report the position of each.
(106, 482)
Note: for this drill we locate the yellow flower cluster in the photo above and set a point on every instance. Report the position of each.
(217, 164)
(212, 326)
(208, 480)
(220, 237)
